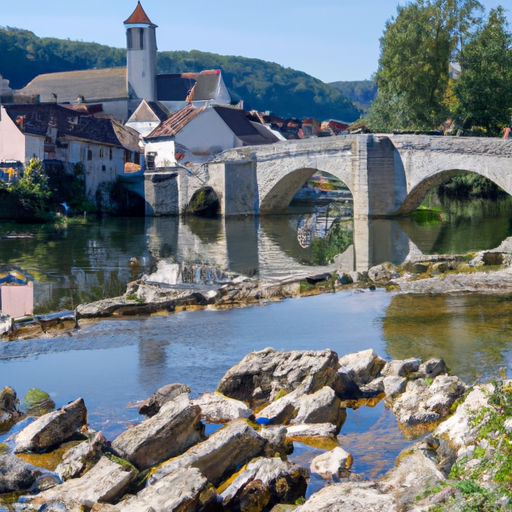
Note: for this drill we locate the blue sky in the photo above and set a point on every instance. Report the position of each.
(329, 39)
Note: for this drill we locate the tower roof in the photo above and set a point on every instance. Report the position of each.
(139, 16)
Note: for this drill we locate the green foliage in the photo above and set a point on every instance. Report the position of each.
(360, 92)
(484, 88)
(337, 240)
(24, 56)
(469, 185)
(32, 190)
(413, 74)
(266, 85)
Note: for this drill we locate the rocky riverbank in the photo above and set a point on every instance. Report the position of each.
(203, 286)
(271, 399)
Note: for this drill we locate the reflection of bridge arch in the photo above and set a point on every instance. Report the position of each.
(281, 189)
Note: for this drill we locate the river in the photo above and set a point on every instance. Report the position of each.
(116, 363)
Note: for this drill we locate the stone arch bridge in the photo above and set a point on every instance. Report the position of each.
(386, 174)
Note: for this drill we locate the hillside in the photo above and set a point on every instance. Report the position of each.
(262, 85)
(360, 92)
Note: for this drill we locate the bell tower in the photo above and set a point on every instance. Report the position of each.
(141, 55)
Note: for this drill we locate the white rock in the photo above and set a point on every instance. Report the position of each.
(106, 481)
(362, 366)
(335, 463)
(350, 497)
(311, 430)
(216, 408)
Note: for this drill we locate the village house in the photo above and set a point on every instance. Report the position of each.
(147, 116)
(204, 131)
(56, 134)
(121, 90)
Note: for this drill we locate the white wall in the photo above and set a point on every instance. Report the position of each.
(12, 141)
(207, 134)
(100, 169)
(165, 153)
(143, 127)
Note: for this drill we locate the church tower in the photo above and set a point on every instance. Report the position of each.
(141, 55)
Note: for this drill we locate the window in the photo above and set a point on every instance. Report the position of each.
(83, 154)
(89, 154)
(104, 168)
(150, 161)
(102, 152)
(135, 39)
(110, 155)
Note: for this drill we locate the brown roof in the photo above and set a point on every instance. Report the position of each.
(176, 122)
(92, 84)
(35, 119)
(139, 16)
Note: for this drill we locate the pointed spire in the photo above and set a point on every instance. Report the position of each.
(139, 16)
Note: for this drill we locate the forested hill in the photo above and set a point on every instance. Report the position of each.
(262, 85)
(360, 92)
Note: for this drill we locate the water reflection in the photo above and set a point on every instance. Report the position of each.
(87, 262)
(473, 333)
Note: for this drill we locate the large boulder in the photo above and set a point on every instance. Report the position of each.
(401, 368)
(460, 431)
(184, 490)
(321, 407)
(160, 397)
(264, 483)
(265, 375)
(333, 464)
(216, 408)
(362, 367)
(282, 410)
(53, 428)
(105, 482)
(81, 457)
(415, 471)
(175, 428)
(16, 475)
(350, 496)
(230, 447)
(425, 406)
(383, 272)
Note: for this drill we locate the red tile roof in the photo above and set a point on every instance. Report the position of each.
(176, 122)
(139, 16)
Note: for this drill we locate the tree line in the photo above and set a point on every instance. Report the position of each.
(417, 89)
(262, 85)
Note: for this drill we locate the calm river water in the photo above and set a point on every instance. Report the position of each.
(115, 363)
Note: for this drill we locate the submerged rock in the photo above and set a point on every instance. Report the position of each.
(53, 428)
(16, 475)
(230, 447)
(163, 395)
(262, 376)
(175, 428)
(335, 463)
(37, 402)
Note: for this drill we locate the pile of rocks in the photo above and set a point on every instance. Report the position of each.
(264, 403)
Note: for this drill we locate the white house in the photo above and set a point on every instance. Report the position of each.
(206, 130)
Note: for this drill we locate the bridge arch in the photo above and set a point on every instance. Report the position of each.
(417, 194)
(282, 191)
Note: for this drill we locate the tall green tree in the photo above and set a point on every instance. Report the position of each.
(413, 73)
(484, 88)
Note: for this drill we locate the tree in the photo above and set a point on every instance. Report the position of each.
(413, 73)
(484, 88)
(32, 190)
